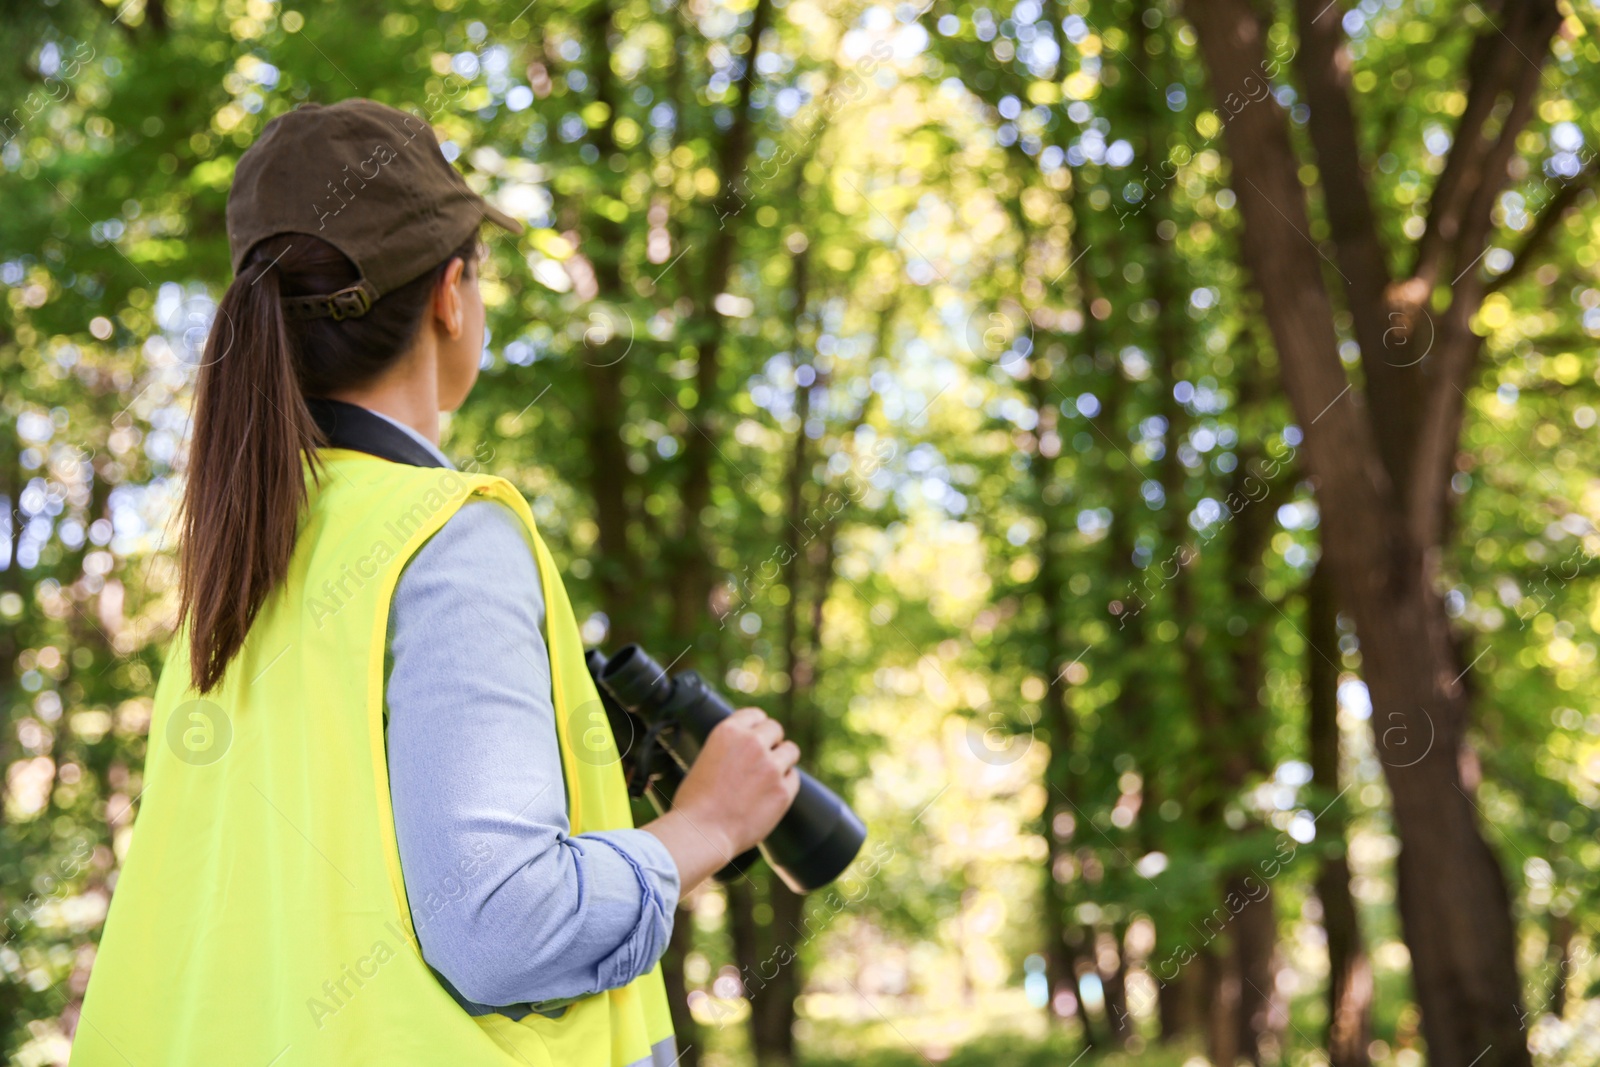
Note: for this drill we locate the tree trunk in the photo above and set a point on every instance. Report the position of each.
(1241, 973)
(1349, 1029)
(680, 945)
(1382, 530)
(1255, 941)
(1063, 963)
(616, 565)
(690, 576)
(1182, 1003)
(768, 959)
(1255, 930)
(1562, 931)
(1224, 986)
(1234, 725)
(1114, 980)
(772, 1014)
(11, 636)
(1066, 963)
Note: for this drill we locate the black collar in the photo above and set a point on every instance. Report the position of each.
(354, 427)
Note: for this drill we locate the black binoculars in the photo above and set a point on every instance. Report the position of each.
(661, 722)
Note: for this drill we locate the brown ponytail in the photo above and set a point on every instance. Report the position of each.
(246, 483)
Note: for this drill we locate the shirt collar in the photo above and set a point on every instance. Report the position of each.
(411, 432)
(350, 426)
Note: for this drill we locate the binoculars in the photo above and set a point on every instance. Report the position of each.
(660, 724)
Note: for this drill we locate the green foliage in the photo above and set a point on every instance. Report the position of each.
(1014, 1050)
(959, 326)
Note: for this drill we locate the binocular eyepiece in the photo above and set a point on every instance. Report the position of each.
(818, 836)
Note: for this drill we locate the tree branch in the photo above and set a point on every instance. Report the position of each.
(1446, 375)
(1479, 217)
(1559, 205)
(1496, 56)
(1352, 483)
(1324, 67)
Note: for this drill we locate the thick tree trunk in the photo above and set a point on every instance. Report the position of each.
(1349, 1029)
(1383, 551)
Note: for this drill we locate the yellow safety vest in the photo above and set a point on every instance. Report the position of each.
(260, 918)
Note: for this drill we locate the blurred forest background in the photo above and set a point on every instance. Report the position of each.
(1145, 453)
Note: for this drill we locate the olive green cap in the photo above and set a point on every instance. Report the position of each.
(368, 179)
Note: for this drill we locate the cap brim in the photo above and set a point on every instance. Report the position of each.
(501, 219)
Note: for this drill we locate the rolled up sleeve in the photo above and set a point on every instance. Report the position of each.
(656, 877)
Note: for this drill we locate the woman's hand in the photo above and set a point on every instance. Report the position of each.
(739, 787)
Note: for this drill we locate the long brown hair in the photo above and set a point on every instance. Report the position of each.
(246, 483)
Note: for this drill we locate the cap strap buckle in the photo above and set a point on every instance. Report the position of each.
(349, 303)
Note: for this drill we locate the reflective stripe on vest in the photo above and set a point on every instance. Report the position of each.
(260, 917)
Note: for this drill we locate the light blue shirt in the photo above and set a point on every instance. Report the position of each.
(510, 907)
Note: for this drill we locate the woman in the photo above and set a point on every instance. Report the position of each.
(368, 832)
